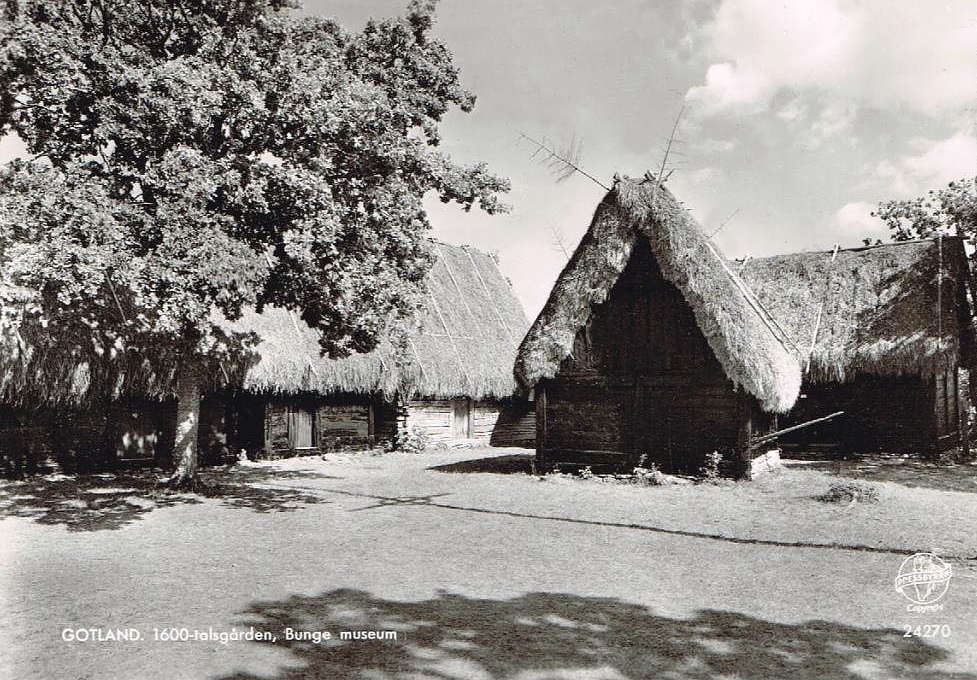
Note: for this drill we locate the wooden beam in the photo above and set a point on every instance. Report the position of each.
(817, 319)
(773, 435)
(371, 426)
(744, 430)
(540, 426)
(469, 424)
(768, 320)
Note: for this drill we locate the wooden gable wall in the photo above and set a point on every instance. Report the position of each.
(642, 380)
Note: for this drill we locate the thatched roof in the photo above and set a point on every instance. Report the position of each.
(465, 344)
(878, 306)
(744, 340)
(462, 343)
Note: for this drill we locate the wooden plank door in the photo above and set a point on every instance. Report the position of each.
(300, 429)
(459, 419)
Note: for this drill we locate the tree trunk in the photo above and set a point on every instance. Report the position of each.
(184, 475)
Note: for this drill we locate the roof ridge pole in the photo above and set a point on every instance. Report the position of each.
(461, 364)
(817, 319)
(444, 260)
(495, 307)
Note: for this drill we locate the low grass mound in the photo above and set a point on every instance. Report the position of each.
(850, 492)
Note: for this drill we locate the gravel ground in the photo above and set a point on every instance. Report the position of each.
(480, 571)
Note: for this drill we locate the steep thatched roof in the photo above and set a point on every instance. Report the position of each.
(744, 340)
(883, 309)
(465, 345)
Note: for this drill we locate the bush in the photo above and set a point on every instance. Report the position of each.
(647, 476)
(650, 476)
(849, 492)
(414, 441)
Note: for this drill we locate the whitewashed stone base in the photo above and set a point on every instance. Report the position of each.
(764, 463)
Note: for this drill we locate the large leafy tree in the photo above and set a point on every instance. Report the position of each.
(189, 159)
(951, 210)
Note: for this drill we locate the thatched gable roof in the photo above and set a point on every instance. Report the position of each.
(744, 340)
(878, 306)
(465, 345)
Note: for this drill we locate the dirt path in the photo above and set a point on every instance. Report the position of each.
(484, 576)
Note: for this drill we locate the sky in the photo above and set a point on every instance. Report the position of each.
(796, 117)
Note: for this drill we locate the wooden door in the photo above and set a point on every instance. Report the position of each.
(300, 429)
(459, 419)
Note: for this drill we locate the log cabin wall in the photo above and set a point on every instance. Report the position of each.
(293, 425)
(485, 418)
(47, 440)
(641, 381)
(443, 420)
(948, 408)
(127, 431)
(902, 414)
(514, 423)
(141, 432)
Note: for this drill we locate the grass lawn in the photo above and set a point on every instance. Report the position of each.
(481, 571)
(908, 471)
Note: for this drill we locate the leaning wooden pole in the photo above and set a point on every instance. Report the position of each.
(774, 435)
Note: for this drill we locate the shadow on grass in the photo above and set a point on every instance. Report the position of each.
(912, 472)
(108, 501)
(429, 501)
(520, 463)
(548, 636)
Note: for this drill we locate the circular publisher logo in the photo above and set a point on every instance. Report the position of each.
(923, 578)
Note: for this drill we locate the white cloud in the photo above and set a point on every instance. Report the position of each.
(855, 219)
(795, 110)
(709, 145)
(935, 164)
(727, 88)
(833, 120)
(946, 160)
(703, 175)
(895, 54)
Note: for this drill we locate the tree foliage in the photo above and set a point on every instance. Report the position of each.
(189, 159)
(950, 210)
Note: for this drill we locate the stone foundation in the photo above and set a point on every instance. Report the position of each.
(762, 464)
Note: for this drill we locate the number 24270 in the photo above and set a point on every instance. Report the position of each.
(927, 631)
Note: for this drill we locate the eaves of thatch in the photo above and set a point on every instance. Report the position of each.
(463, 342)
(748, 344)
(893, 309)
